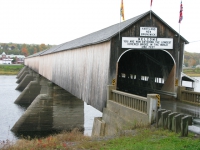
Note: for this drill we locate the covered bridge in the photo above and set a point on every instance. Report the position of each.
(144, 57)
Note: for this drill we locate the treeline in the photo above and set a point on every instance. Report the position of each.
(191, 59)
(22, 49)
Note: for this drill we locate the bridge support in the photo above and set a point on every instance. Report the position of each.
(125, 112)
(53, 109)
(23, 74)
(26, 80)
(29, 93)
(38, 116)
(174, 121)
(68, 110)
(25, 68)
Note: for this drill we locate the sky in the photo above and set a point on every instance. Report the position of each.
(57, 21)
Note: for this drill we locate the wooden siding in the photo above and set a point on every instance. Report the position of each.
(45, 67)
(33, 63)
(83, 71)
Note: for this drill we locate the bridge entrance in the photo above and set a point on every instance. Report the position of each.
(146, 71)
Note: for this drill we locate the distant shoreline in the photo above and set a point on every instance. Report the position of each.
(12, 69)
(193, 75)
(192, 72)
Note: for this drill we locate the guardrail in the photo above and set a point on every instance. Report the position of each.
(133, 101)
(189, 96)
(144, 105)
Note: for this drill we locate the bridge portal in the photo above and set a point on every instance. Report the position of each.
(145, 71)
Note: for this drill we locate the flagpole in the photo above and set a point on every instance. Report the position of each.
(180, 19)
(121, 15)
(150, 8)
(179, 34)
(150, 12)
(119, 23)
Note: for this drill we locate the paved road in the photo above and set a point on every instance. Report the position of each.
(177, 106)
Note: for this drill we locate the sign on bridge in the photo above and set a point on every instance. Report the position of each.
(147, 43)
(148, 31)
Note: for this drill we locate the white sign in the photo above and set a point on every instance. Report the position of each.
(147, 43)
(148, 31)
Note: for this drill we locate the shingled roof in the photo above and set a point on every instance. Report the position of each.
(100, 36)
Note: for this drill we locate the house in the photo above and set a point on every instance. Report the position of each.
(7, 59)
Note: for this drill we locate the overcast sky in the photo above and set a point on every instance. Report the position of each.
(58, 21)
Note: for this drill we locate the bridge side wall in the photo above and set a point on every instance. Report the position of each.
(46, 63)
(33, 63)
(83, 72)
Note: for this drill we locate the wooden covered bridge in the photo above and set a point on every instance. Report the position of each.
(116, 69)
(140, 56)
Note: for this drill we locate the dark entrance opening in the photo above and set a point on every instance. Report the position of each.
(144, 71)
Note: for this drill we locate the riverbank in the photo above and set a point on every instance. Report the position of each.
(192, 72)
(143, 138)
(10, 69)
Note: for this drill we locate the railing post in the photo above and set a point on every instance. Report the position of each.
(152, 101)
(180, 89)
(109, 92)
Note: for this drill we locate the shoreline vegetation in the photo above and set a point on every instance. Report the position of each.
(12, 69)
(148, 138)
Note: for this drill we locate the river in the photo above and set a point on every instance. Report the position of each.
(10, 112)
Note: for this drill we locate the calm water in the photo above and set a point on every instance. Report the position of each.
(10, 112)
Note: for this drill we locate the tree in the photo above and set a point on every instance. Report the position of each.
(192, 62)
(42, 47)
(14, 60)
(35, 50)
(24, 50)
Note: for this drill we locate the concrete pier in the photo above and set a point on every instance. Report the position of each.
(68, 110)
(32, 76)
(24, 73)
(31, 91)
(21, 71)
(53, 109)
(27, 79)
(38, 116)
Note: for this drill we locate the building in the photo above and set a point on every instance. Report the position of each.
(8, 59)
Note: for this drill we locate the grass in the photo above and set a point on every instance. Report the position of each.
(144, 139)
(193, 72)
(10, 69)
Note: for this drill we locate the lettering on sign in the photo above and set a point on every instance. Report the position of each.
(148, 31)
(147, 43)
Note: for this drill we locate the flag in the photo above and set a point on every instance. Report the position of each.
(181, 13)
(122, 10)
(151, 3)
